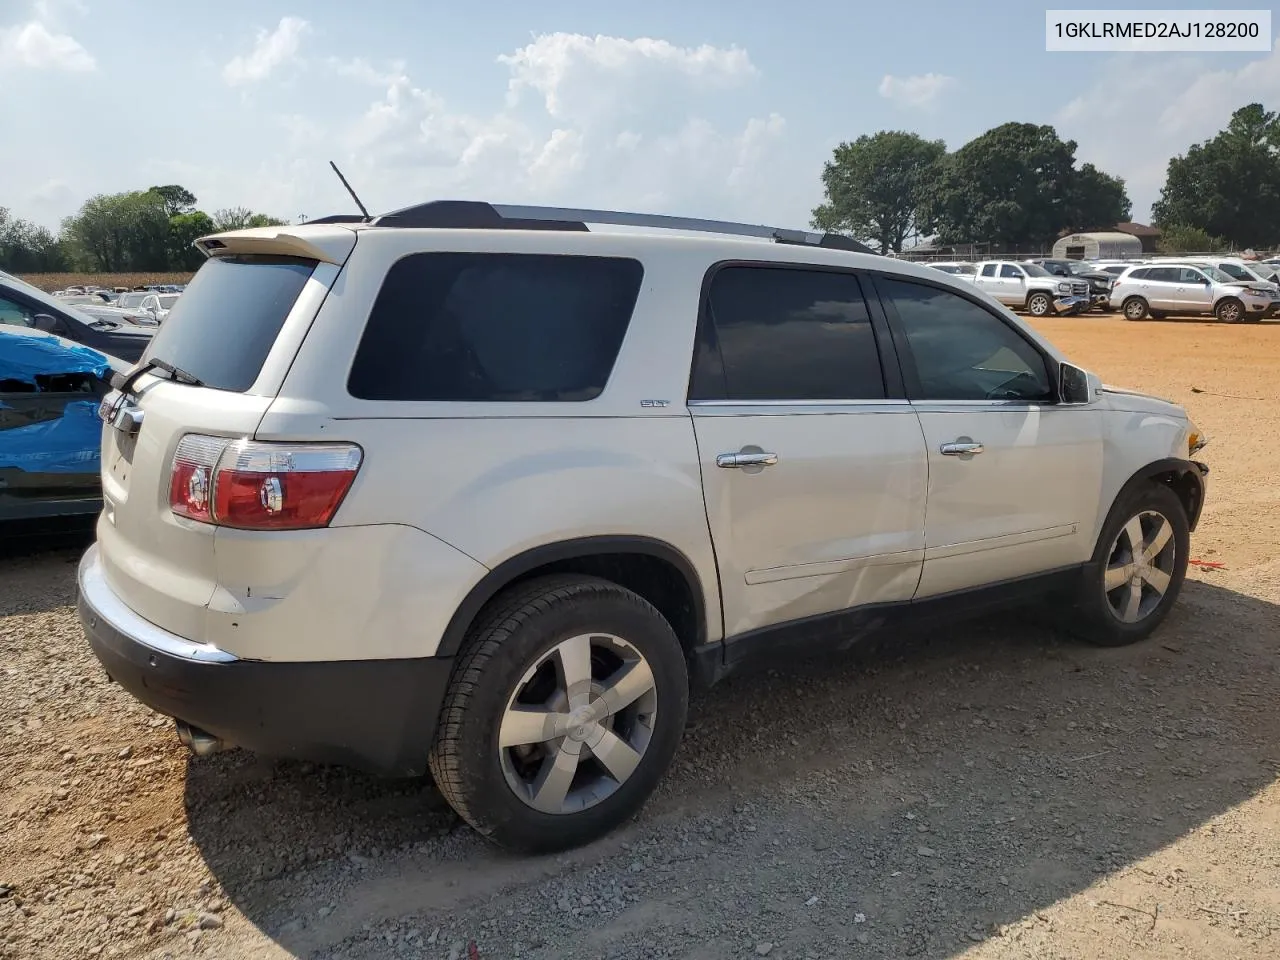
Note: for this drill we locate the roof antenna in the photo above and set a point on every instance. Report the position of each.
(350, 191)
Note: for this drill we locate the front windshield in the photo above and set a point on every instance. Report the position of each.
(1240, 273)
(130, 300)
(1035, 270)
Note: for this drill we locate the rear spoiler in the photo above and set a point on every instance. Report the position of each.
(329, 243)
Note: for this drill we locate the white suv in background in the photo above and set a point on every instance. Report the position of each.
(1161, 289)
(481, 490)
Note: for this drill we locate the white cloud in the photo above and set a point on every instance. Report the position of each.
(362, 70)
(34, 45)
(272, 49)
(613, 122)
(918, 90)
(1142, 110)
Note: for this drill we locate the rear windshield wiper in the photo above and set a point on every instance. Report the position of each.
(125, 382)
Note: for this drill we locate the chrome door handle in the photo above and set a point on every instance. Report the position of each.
(733, 460)
(961, 448)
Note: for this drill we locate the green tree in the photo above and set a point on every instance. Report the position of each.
(1180, 239)
(1228, 186)
(28, 248)
(231, 218)
(874, 188)
(1098, 201)
(177, 200)
(1017, 185)
(120, 232)
(184, 230)
(263, 220)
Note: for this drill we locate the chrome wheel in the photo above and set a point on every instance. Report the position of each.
(1230, 311)
(1140, 566)
(1038, 306)
(1135, 309)
(578, 723)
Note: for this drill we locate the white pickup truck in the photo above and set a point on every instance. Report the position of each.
(1027, 286)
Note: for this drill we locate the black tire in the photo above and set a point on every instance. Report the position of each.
(1229, 310)
(1040, 305)
(1096, 620)
(508, 638)
(1134, 308)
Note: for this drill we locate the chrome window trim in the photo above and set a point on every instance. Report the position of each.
(800, 403)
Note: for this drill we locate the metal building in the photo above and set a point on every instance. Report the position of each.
(1101, 245)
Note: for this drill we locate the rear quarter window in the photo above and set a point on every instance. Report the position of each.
(495, 327)
(226, 321)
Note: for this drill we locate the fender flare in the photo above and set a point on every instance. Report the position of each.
(1189, 474)
(513, 568)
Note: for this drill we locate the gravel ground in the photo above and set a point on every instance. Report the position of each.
(996, 792)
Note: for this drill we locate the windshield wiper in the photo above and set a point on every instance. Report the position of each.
(125, 382)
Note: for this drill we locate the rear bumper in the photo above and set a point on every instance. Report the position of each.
(377, 715)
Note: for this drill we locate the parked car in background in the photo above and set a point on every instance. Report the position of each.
(1163, 289)
(1235, 268)
(1099, 281)
(317, 541)
(22, 305)
(1026, 286)
(1114, 267)
(146, 309)
(50, 433)
(957, 268)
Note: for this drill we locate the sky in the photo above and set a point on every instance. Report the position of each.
(714, 109)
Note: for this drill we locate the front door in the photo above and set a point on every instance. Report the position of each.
(1011, 285)
(1194, 292)
(1013, 476)
(814, 479)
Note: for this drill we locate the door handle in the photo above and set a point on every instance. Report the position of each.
(961, 448)
(732, 461)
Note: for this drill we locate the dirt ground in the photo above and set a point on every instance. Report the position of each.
(996, 792)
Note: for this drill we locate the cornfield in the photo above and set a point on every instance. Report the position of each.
(60, 281)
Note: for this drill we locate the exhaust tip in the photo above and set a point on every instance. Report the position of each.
(198, 741)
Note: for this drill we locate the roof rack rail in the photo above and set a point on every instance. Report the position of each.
(473, 214)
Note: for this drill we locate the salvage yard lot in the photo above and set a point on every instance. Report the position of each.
(998, 792)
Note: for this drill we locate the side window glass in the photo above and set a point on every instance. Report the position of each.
(1163, 275)
(495, 327)
(961, 351)
(786, 334)
(1188, 275)
(1139, 274)
(988, 269)
(14, 314)
(1008, 270)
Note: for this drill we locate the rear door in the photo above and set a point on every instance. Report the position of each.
(1160, 287)
(235, 330)
(813, 464)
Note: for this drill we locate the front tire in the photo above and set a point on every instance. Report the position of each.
(1137, 570)
(1039, 305)
(565, 709)
(1229, 310)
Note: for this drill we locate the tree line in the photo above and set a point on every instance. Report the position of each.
(1018, 185)
(140, 230)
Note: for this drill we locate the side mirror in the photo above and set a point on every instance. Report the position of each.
(1073, 384)
(47, 323)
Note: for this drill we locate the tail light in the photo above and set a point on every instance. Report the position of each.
(257, 485)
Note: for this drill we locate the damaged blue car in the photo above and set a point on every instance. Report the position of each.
(50, 434)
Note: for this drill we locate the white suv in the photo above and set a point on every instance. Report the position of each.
(1161, 289)
(479, 489)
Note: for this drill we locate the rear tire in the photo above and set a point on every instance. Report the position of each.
(1141, 556)
(565, 709)
(1135, 308)
(1229, 310)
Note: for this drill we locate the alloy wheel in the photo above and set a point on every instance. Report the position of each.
(1140, 566)
(578, 723)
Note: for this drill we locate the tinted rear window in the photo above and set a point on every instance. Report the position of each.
(495, 327)
(223, 326)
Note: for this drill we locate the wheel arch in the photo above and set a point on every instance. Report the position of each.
(1184, 477)
(652, 568)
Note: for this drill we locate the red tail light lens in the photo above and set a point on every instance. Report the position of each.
(255, 485)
